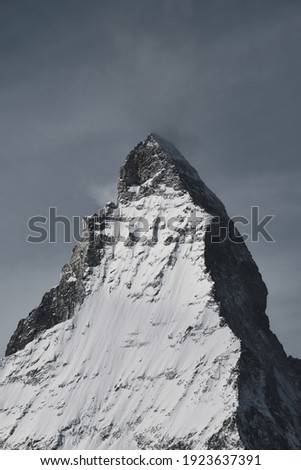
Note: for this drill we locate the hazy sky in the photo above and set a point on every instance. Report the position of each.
(83, 81)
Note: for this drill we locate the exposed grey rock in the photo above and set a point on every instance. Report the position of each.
(60, 302)
(156, 162)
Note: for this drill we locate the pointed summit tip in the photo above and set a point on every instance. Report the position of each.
(155, 163)
(170, 151)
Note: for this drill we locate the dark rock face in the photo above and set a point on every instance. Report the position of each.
(269, 384)
(266, 375)
(268, 413)
(56, 306)
(60, 302)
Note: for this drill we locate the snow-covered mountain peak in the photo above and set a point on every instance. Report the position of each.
(152, 339)
(154, 164)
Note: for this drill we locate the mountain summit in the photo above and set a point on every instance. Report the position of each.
(156, 162)
(156, 335)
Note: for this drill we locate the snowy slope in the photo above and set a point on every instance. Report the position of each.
(143, 363)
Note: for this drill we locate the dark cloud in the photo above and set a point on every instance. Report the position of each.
(83, 82)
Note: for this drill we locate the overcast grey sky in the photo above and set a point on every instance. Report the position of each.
(83, 81)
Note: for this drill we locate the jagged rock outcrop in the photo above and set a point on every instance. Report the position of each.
(157, 329)
(60, 302)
